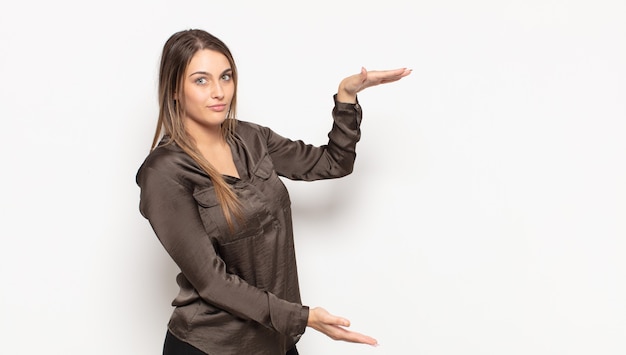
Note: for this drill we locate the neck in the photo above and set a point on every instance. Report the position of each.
(206, 136)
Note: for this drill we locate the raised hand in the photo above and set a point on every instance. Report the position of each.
(334, 327)
(350, 86)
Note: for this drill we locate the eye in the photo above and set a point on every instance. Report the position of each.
(227, 77)
(201, 81)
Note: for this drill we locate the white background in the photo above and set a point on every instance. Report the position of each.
(485, 214)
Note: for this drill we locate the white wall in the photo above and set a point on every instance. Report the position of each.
(485, 214)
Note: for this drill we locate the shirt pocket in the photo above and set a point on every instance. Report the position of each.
(264, 168)
(269, 183)
(215, 223)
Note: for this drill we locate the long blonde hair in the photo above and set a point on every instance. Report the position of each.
(177, 53)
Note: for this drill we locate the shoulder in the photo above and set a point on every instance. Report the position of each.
(164, 157)
(167, 161)
(247, 128)
(254, 133)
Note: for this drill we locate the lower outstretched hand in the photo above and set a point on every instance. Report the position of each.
(334, 327)
(351, 85)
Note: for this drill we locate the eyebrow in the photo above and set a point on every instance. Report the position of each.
(209, 74)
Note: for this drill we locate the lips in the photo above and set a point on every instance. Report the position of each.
(217, 108)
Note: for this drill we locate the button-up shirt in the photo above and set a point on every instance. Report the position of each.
(239, 290)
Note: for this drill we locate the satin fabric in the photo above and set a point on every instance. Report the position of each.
(239, 291)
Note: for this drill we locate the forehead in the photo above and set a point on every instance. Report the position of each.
(207, 60)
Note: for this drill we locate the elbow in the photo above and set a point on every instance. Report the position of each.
(348, 170)
(339, 165)
(344, 169)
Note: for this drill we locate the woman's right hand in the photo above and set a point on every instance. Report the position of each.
(333, 327)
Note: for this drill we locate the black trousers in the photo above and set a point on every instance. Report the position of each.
(175, 346)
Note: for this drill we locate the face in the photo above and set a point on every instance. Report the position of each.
(208, 90)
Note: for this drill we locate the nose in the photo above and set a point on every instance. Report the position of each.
(217, 92)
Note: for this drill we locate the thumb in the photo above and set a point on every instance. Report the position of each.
(336, 320)
(343, 322)
(363, 74)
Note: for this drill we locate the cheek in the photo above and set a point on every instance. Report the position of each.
(230, 92)
(228, 87)
(193, 97)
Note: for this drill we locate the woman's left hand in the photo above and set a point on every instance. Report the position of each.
(350, 86)
(335, 327)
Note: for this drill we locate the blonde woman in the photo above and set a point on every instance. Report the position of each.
(211, 191)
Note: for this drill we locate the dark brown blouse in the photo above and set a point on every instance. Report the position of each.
(239, 291)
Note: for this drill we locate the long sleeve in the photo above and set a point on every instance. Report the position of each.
(299, 161)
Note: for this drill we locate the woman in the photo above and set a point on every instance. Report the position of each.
(210, 188)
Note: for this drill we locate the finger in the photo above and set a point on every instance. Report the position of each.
(333, 320)
(352, 337)
(401, 71)
(385, 76)
(362, 339)
(389, 74)
(390, 80)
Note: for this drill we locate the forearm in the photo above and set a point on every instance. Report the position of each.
(297, 160)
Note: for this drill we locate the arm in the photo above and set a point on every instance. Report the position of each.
(298, 161)
(173, 214)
